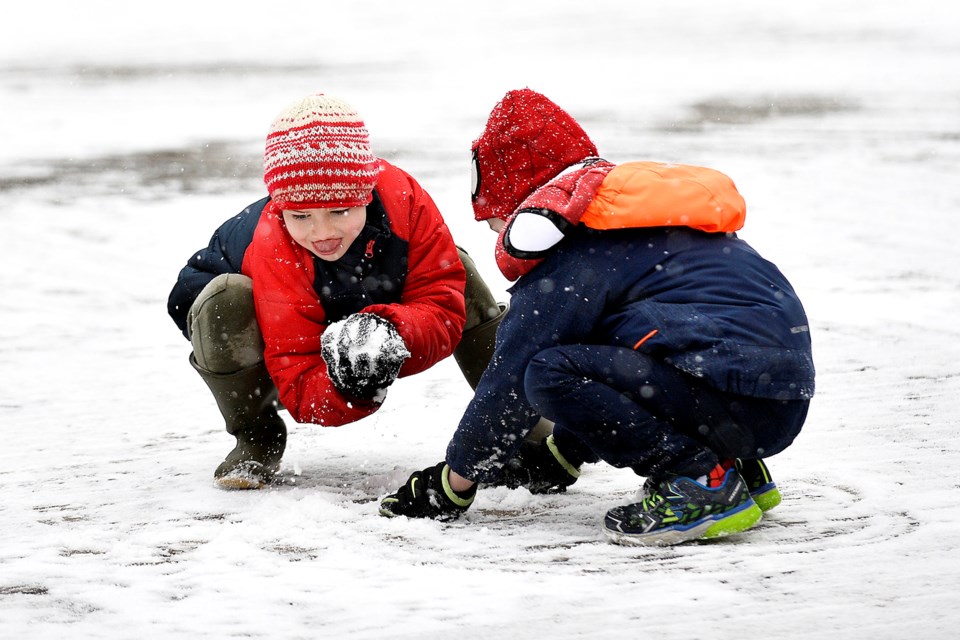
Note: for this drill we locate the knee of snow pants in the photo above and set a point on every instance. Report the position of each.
(222, 325)
(620, 404)
(637, 411)
(484, 314)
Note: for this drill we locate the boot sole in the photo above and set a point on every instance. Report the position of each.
(249, 475)
(238, 483)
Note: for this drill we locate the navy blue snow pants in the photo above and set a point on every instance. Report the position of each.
(630, 410)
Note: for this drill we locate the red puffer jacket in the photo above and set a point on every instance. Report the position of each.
(429, 316)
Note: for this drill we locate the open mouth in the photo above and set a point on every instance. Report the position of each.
(327, 247)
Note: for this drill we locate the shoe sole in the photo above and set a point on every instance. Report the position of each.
(725, 524)
(767, 499)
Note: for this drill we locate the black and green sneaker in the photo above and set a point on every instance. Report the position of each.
(762, 488)
(678, 509)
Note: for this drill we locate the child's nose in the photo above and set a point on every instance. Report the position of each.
(321, 228)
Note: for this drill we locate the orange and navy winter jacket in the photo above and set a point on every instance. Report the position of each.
(403, 267)
(641, 256)
(706, 303)
(605, 196)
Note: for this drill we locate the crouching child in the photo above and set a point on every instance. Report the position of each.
(640, 324)
(318, 296)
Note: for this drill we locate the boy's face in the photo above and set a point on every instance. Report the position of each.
(326, 233)
(497, 224)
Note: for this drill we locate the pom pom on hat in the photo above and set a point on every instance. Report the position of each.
(318, 156)
(527, 142)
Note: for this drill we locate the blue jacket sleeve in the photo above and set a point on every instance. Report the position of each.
(550, 306)
(224, 254)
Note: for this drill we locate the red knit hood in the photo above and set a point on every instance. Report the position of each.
(528, 140)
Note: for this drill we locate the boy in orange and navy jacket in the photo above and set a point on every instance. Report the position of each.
(640, 324)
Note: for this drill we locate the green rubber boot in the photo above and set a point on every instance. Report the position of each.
(228, 355)
(248, 401)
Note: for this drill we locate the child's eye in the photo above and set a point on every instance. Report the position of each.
(340, 212)
(299, 217)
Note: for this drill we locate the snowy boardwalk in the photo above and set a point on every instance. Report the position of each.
(127, 137)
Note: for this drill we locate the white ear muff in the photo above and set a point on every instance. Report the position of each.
(532, 233)
(474, 176)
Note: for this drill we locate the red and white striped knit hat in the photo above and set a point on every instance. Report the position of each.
(318, 156)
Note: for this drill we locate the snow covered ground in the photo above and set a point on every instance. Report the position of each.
(130, 131)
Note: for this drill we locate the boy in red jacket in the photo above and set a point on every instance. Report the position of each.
(344, 278)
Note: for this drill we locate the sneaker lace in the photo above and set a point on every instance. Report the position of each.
(652, 500)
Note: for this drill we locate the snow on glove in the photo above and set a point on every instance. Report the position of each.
(364, 354)
(428, 494)
(540, 467)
